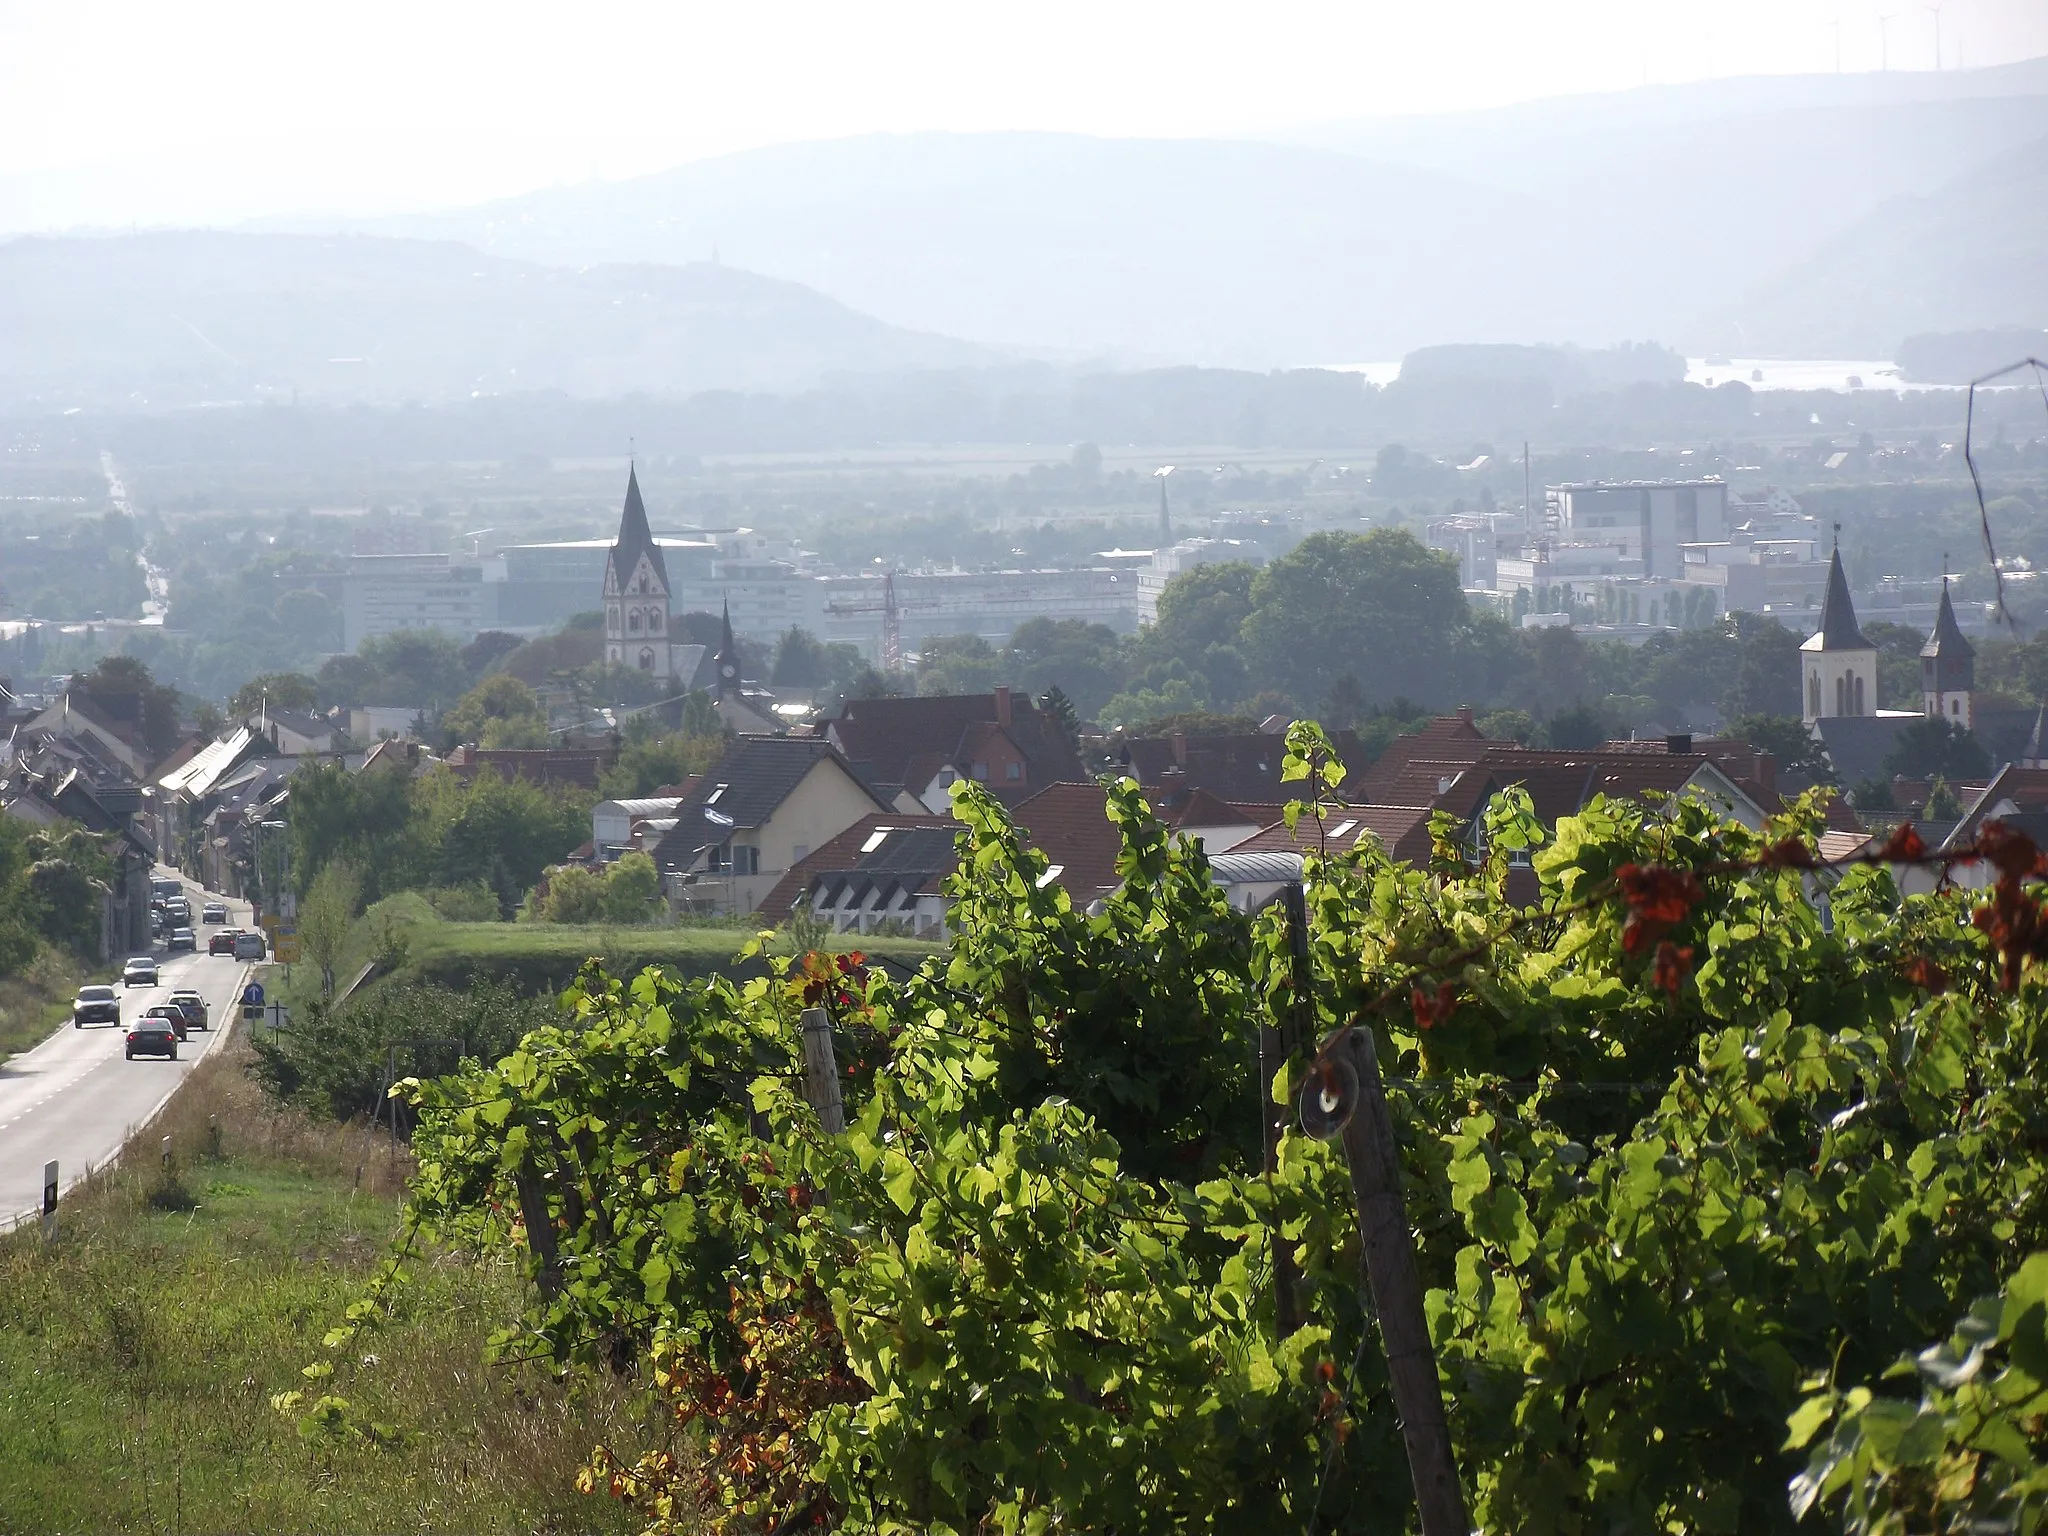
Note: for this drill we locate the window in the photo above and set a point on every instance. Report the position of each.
(981, 772)
(633, 622)
(745, 860)
(1859, 695)
(799, 853)
(1955, 706)
(875, 840)
(654, 621)
(712, 798)
(1013, 771)
(1813, 694)
(646, 659)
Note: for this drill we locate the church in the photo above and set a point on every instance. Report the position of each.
(638, 625)
(1838, 689)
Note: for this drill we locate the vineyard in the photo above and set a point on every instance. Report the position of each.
(1724, 1199)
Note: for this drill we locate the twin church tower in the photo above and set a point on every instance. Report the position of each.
(1840, 665)
(637, 621)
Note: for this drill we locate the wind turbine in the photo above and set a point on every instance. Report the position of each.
(1884, 41)
(1935, 12)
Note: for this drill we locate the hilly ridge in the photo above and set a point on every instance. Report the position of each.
(182, 318)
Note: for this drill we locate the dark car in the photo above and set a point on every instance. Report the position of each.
(181, 938)
(222, 943)
(95, 1005)
(194, 1006)
(172, 1015)
(153, 1036)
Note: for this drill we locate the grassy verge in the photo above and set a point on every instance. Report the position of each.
(139, 1352)
(541, 958)
(37, 999)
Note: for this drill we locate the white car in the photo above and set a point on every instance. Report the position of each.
(139, 972)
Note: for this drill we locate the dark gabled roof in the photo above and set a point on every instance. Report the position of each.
(1858, 744)
(888, 741)
(743, 790)
(1838, 630)
(1445, 745)
(1236, 767)
(910, 855)
(635, 539)
(1947, 643)
(536, 765)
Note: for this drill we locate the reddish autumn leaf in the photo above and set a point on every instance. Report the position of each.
(1672, 966)
(1431, 1009)
(1789, 853)
(2010, 851)
(1904, 846)
(1922, 972)
(1658, 893)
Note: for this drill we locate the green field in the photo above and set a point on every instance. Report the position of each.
(539, 958)
(139, 1353)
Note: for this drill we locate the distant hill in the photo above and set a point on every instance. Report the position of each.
(1641, 214)
(172, 319)
(1971, 255)
(1957, 357)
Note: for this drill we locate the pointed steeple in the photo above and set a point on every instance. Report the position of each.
(635, 537)
(727, 660)
(1838, 629)
(1948, 643)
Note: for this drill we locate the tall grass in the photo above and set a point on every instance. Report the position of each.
(138, 1353)
(37, 999)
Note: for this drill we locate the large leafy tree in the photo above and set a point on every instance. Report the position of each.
(1377, 605)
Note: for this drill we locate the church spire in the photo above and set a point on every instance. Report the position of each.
(1838, 628)
(728, 658)
(635, 537)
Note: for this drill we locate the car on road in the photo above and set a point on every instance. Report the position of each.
(95, 1005)
(172, 1014)
(194, 1006)
(165, 888)
(222, 943)
(139, 972)
(214, 912)
(153, 1036)
(179, 911)
(181, 938)
(249, 945)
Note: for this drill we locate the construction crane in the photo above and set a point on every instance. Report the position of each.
(892, 613)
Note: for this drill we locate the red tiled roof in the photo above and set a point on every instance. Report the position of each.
(545, 765)
(885, 738)
(1069, 824)
(1448, 739)
(1402, 830)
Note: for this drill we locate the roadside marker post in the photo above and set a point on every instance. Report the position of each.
(50, 1201)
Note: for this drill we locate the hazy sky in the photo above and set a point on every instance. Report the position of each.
(119, 110)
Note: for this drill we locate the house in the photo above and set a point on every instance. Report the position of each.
(1400, 831)
(93, 721)
(912, 751)
(883, 872)
(2016, 796)
(290, 733)
(580, 766)
(613, 822)
(761, 809)
(182, 796)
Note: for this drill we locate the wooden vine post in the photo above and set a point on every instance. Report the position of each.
(1375, 1159)
(821, 1071)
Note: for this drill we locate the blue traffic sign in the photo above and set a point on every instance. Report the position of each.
(252, 995)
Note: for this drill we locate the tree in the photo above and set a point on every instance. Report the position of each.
(327, 916)
(1085, 660)
(632, 890)
(1936, 748)
(499, 712)
(800, 660)
(1898, 663)
(280, 690)
(1578, 729)
(1378, 605)
(1767, 669)
(1873, 797)
(1793, 748)
(1055, 704)
(487, 650)
(644, 767)
(123, 685)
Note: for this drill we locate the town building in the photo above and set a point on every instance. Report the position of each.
(1643, 521)
(387, 594)
(1948, 670)
(1839, 664)
(912, 751)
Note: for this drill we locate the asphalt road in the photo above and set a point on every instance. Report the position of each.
(77, 1098)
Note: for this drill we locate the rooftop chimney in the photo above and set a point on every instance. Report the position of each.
(1003, 705)
(1678, 742)
(1180, 747)
(1465, 713)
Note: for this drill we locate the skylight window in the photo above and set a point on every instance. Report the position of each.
(712, 798)
(1050, 875)
(876, 838)
(1341, 828)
